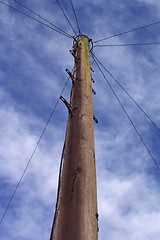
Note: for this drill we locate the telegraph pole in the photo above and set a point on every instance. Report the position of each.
(76, 216)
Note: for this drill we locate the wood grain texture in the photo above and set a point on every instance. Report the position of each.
(77, 217)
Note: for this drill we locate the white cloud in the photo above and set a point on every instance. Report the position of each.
(129, 207)
(33, 60)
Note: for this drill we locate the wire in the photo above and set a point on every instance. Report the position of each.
(58, 191)
(126, 92)
(145, 145)
(34, 19)
(93, 56)
(126, 44)
(75, 17)
(42, 17)
(132, 30)
(66, 17)
(31, 157)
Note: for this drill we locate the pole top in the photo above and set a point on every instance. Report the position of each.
(83, 35)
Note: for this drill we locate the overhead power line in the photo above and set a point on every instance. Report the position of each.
(31, 157)
(59, 185)
(132, 30)
(145, 145)
(41, 17)
(35, 19)
(75, 17)
(126, 44)
(126, 92)
(66, 17)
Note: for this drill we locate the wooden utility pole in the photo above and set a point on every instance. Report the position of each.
(76, 216)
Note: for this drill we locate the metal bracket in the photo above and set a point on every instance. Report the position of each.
(95, 119)
(93, 80)
(68, 105)
(90, 41)
(74, 80)
(94, 92)
(97, 216)
(71, 76)
(72, 52)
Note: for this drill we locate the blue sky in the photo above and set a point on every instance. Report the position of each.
(33, 59)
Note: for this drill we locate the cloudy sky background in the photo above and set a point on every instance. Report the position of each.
(33, 59)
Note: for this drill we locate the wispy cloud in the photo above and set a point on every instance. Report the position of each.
(32, 63)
